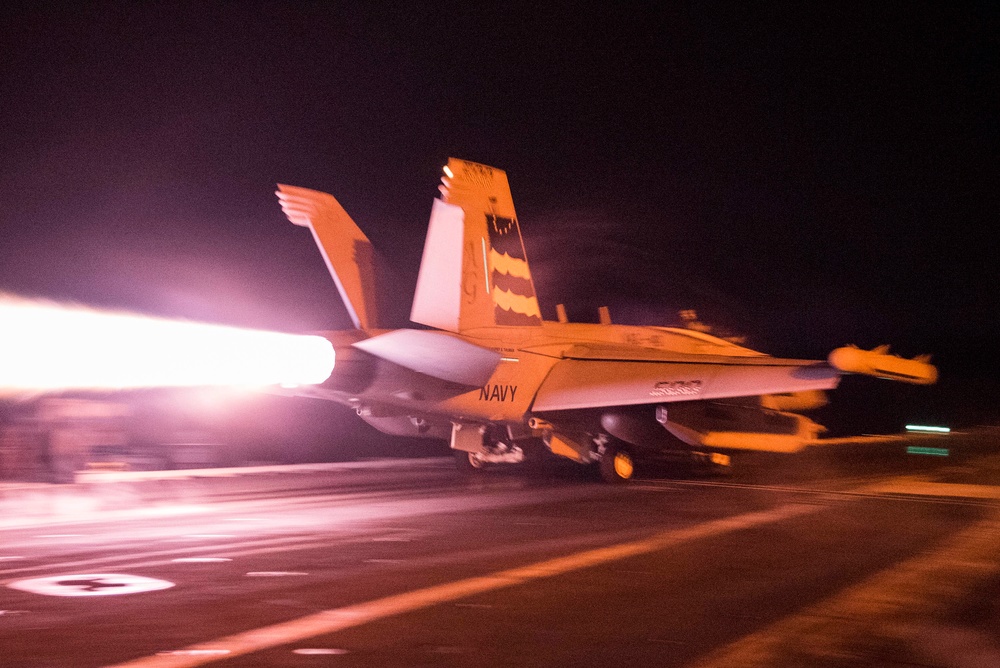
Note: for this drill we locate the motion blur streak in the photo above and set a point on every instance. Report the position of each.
(50, 347)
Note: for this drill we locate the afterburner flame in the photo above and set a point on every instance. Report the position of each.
(46, 347)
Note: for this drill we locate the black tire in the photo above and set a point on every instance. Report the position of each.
(616, 465)
(467, 462)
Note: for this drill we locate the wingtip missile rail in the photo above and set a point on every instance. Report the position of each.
(879, 363)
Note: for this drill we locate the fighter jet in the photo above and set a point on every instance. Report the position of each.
(487, 373)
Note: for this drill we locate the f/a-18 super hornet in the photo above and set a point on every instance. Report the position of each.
(490, 375)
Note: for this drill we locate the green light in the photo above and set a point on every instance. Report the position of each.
(927, 429)
(933, 452)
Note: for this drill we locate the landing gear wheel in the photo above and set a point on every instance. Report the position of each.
(468, 462)
(616, 466)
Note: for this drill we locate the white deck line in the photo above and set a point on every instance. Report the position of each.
(88, 477)
(330, 621)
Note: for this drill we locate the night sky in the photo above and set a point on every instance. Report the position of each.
(808, 176)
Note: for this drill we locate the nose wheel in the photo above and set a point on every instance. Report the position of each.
(616, 465)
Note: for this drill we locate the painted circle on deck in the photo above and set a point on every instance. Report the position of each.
(91, 584)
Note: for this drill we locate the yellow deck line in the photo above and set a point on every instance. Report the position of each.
(891, 608)
(329, 621)
(926, 488)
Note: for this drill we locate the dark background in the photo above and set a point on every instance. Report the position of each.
(808, 176)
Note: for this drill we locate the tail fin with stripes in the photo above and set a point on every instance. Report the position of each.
(474, 272)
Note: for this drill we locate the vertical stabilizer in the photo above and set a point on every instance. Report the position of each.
(346, 250)
(474, 271)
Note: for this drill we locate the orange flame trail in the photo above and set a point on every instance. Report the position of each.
(51, 347)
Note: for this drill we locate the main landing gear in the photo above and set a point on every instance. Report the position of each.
(468, 462)
(616, 465)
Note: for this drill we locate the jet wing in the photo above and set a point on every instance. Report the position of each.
(594, 376)
(621, 353)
